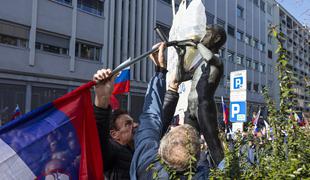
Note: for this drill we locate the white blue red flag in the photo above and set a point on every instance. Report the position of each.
(56, 141)
(16, 112)
(225, 112)
(255, 121)
(122, 82)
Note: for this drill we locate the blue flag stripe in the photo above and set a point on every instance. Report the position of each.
(44, 139)
(124, 76)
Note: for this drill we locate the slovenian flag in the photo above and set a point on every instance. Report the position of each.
(225, 112)
(122, 82)
(16, 112)
(56, 141)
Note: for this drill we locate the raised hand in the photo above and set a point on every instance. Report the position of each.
(158, 57)
(104, 87)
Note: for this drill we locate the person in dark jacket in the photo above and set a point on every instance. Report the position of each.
(116, 130)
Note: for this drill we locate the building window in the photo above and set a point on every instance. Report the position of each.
(239, 35)
(14, 34)
(261, 67)
(256, 42)
(269, 39)
(13, 41)
(231, 30)
(210, 18)
(10, 96)
(254, 65)
(247, 39)
(240, 11)
(261, 46)
(9, 40)
(230, 56)
(64, 1)
(91, 6)
(262, 5)
(239, 60)
(51, 48)
(252, 42)
(269, 54)
(87, 51)
(256, 87)
(51, 43)
(43, 95)
(220, 22)
(249, 85)
(248, 63)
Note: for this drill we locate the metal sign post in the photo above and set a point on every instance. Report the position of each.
(238, 96)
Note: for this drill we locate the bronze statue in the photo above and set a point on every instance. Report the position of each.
(201, 112)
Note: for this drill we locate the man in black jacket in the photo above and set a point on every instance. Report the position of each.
(116, 130)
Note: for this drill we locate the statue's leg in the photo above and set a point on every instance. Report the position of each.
(191, 116)
(207, 112)
(209, 128)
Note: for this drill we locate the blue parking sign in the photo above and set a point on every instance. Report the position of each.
(237, 111)
(238, 82)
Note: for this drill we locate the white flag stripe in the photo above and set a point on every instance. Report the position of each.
(11, 165)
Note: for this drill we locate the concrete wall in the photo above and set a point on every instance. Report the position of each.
(54, 17)
(18, 11)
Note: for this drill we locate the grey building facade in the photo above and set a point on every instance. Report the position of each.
(246, 24)
(297, 43)
(39, 58)
(49, 47)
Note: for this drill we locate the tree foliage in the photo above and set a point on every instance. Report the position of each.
(286, 155)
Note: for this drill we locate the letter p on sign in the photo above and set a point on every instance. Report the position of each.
(238, 111)
(235, 108)
(238, 82)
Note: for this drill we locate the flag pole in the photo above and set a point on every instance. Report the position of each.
(223, 112)
(173, 8)
(129, 102)
(129, 61)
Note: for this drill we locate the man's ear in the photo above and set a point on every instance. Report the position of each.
(114, 134)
